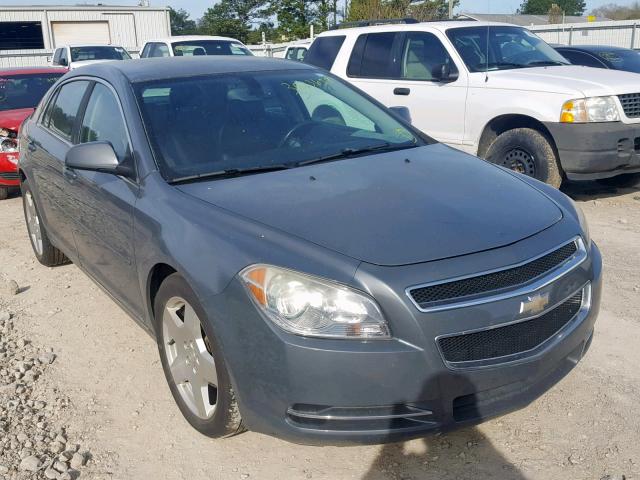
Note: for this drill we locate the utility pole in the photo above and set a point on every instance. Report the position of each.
(450, 9)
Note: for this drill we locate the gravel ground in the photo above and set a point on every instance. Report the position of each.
(82, 389)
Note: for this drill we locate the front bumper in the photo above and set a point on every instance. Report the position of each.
(330, 391)
(9, 170)
(590, 151)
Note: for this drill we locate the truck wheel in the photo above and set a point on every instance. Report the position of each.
(526, 151)
(622, 181)
(45, 252)
(193, 362)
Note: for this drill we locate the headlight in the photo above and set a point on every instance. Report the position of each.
(310, 306)
(8, 145)
(593, 109)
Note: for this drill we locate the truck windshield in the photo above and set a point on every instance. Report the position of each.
(25, 91)
(209, 47)
(502, 47)
(242, 123)
(79, 54)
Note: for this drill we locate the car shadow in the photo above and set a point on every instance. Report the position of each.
(594, 190)
(465, 453)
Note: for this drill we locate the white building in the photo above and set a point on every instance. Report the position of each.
(29, 34)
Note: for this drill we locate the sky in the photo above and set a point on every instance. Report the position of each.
(197, 7)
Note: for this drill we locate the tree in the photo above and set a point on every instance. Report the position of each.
(232, 18)
(380, 9)
(181, 24)
(542, 7)
(618, 12)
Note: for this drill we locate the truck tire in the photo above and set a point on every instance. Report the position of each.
(526, 151)
(625, 180)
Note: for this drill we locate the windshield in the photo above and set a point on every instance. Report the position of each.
(505, 48)
(25, 91)
(261, 120)
(628, 60)
(78, 54)
(209, 47)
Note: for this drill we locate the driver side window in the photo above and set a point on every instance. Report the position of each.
(423, 55)
(324, 107)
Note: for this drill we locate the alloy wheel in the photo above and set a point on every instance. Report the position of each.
(189, 357)
(519, 160)
(33, 223)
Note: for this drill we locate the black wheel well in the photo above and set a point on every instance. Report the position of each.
(504, 123)
(158, 273)
(23, 177)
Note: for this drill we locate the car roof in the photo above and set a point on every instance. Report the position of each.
(412, 27)
(149, 69)
(592, 48)
(189, 38)
(76, 45)
(32, 70)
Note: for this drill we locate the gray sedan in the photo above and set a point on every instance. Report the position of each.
(311, 266)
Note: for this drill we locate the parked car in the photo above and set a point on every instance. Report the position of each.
(600, 56)
(498, 91)
(193, 45)
(20, 91)
(74, 56)
(311, 266)
(296, 51)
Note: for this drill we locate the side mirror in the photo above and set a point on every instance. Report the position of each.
(402, 112)
(96, 156)
(63, 62)
(443, 73)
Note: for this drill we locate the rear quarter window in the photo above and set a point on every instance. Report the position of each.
(324, 50)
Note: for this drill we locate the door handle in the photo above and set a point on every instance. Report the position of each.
(31, 146)
(69, 173)
(401, 91)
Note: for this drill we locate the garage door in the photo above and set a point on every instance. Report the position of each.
(65, 33)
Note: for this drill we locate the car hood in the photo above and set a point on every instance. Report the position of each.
(569, 79)
(82, 63)
(384, 210)
(12, 119)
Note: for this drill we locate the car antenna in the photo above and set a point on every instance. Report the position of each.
(486, 53)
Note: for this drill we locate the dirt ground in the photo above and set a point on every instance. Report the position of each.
(121, 410)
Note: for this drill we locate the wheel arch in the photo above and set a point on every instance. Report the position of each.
(506, 122)
(157, 274)
(22, 175)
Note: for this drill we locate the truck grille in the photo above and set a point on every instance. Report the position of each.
(458, 290)
(510, 339)
(630, 104)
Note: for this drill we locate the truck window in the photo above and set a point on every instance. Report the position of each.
(324, 50)
(580, 58)
(372, 56)
(422, 54)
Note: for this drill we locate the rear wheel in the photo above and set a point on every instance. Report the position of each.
(192, 361)
(622, 181)
(46, 253)
(526, 151)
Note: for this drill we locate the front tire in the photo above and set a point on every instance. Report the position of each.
(626, 180)
(192, 361)
(46, 253)
(526, 151)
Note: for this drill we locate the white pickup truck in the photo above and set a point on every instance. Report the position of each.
(497, 91)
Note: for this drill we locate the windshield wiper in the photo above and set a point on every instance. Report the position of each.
(349, 152)
(542, 63)
(230, 172)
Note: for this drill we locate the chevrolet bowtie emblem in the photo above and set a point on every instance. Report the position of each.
(535, 304)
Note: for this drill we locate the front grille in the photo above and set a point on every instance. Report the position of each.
(630, 104)
(492, 282)
(509, 339)
(9, 175)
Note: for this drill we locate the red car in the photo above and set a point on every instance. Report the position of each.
(20, 92)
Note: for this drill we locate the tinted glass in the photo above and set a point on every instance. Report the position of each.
(377, 56)
(159, 50)
(25, 91)
(628, 60)
(145, 50)
(62, 115)
(64, 60)
(103, 122)
(503, 48)
(323, 51)
(580, 58)
(209, 47)
(212, 123)
(422, 55)
(20, 35)
(79, 54)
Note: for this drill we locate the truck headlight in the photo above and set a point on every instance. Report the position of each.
(592, 109)
(311, 306)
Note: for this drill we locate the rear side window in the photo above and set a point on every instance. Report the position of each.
(61, 113)
(103, 122)
(323, 51)
(159, 50)
(373, 56)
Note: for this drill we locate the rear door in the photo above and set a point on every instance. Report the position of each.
(48, 145)
(103, 220)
